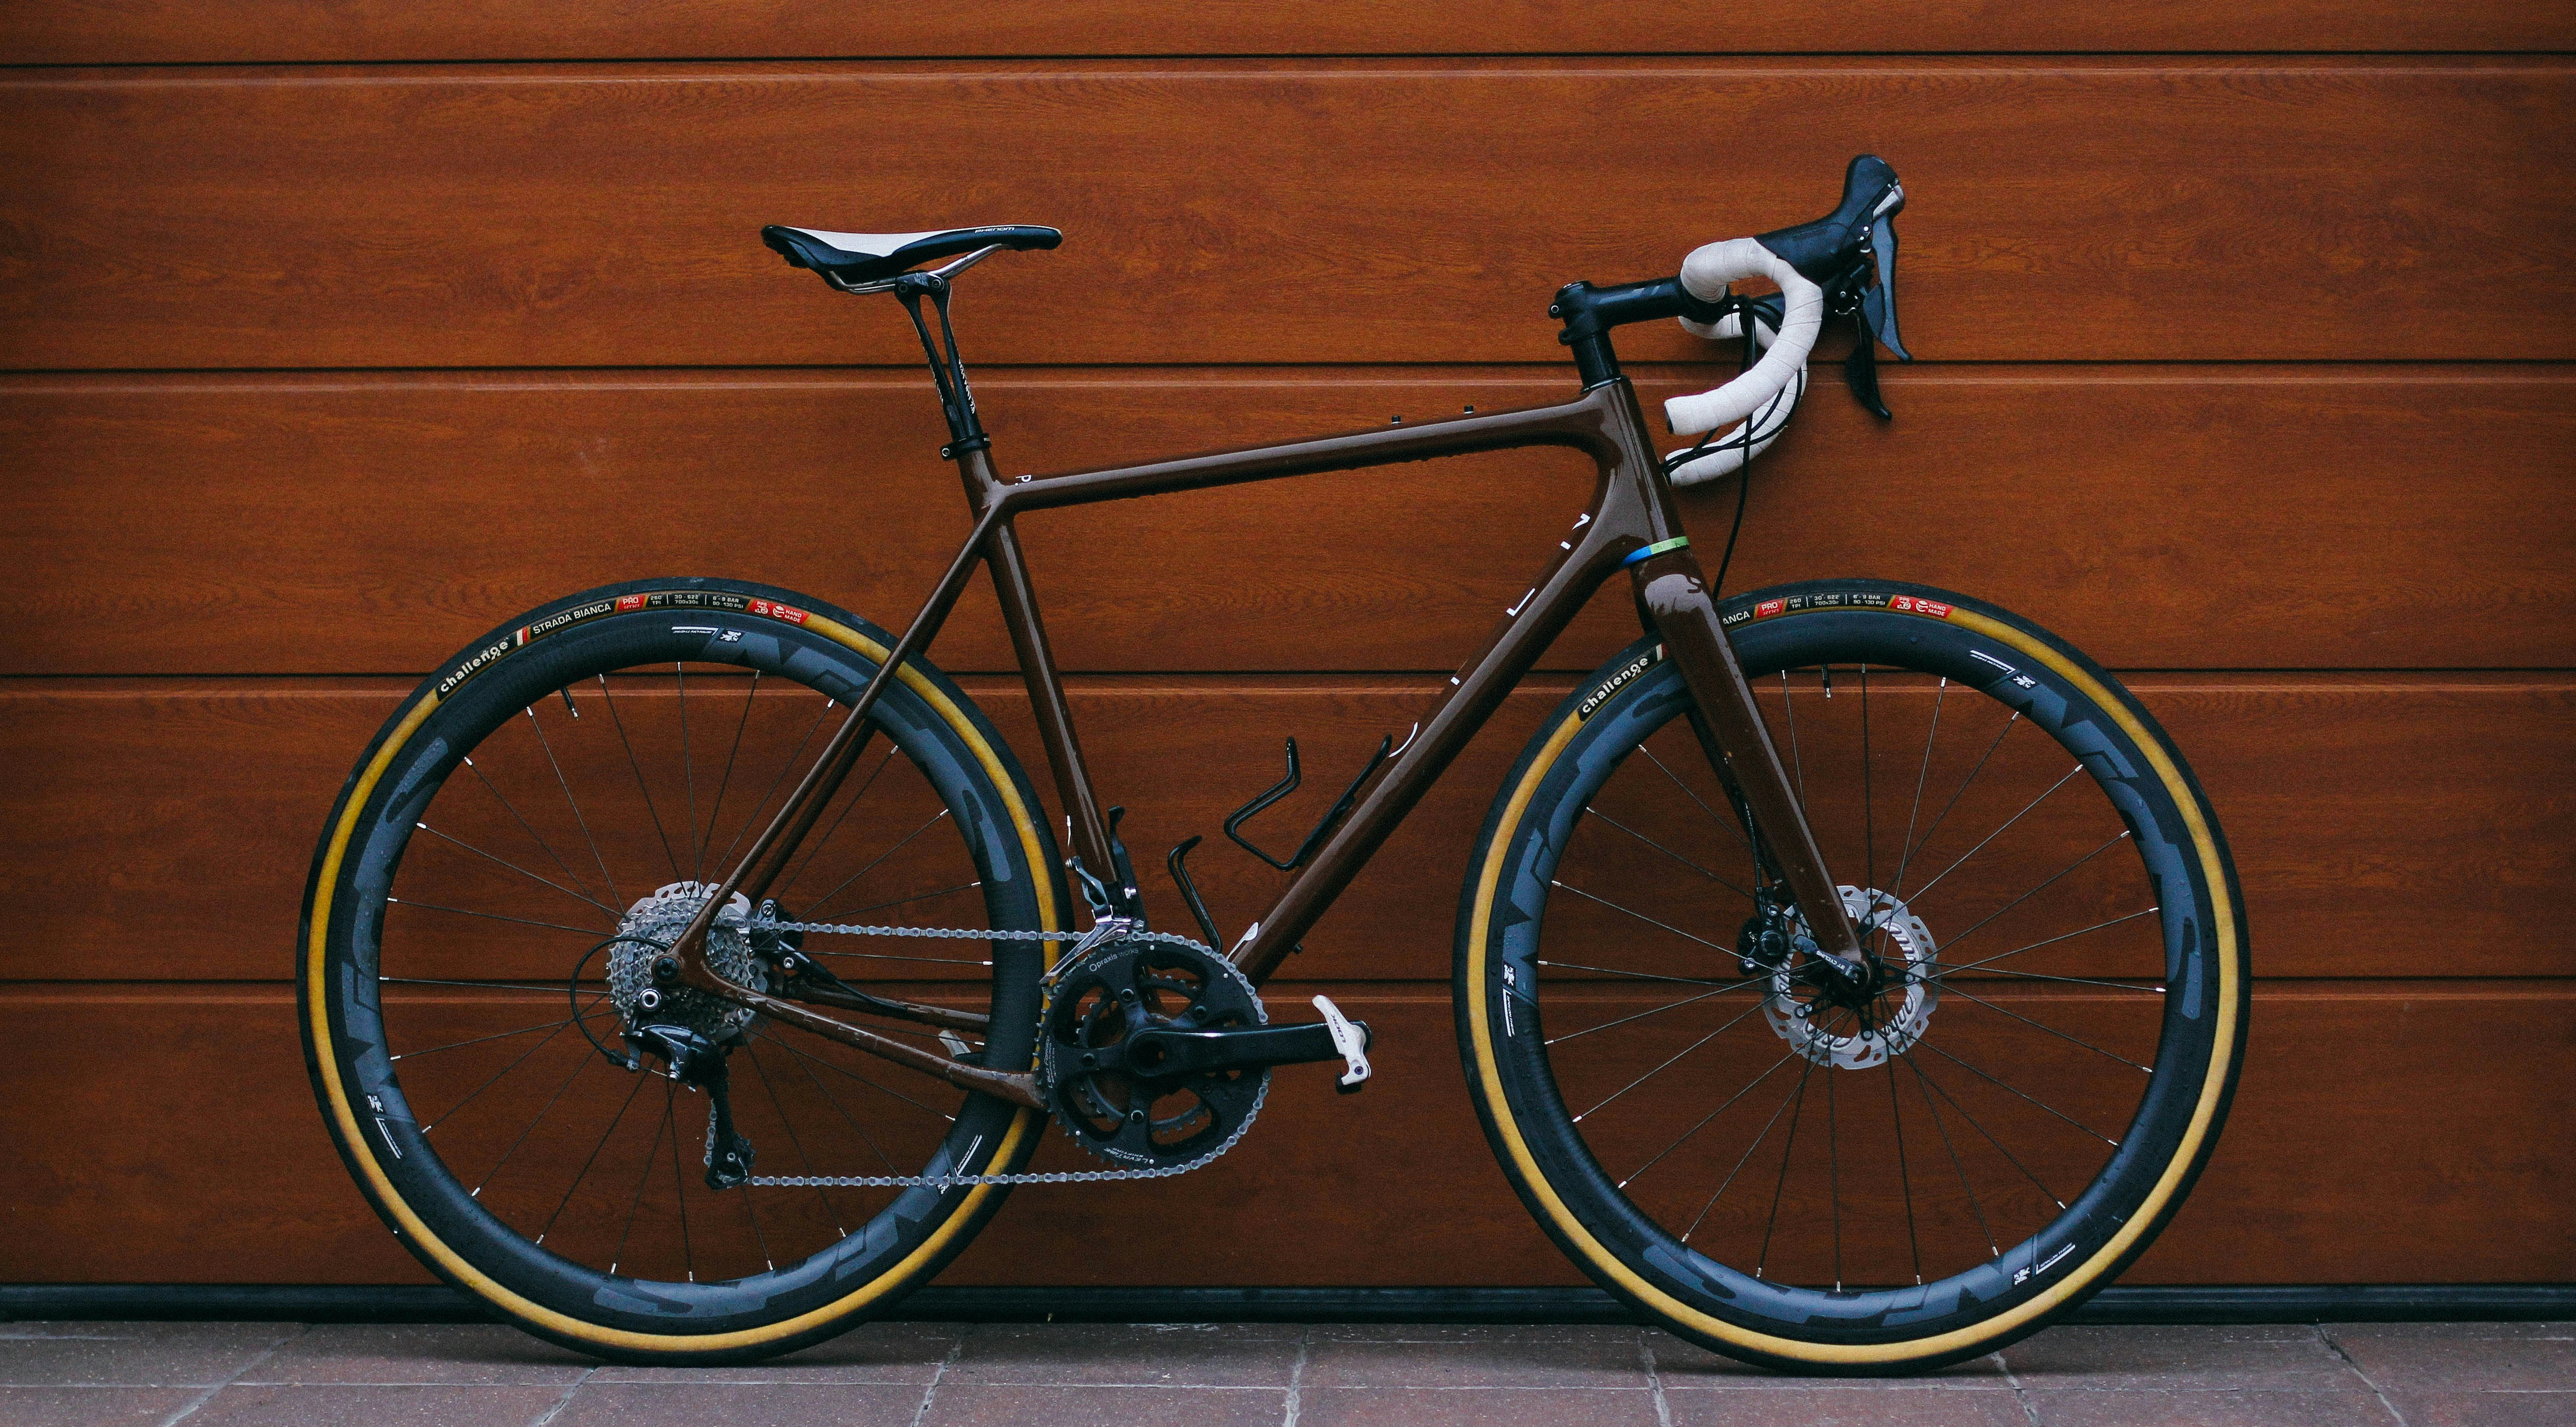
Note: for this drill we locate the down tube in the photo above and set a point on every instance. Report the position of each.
(1619, 524)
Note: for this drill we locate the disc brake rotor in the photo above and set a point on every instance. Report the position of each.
(1895, 1015)
(1132, 1117)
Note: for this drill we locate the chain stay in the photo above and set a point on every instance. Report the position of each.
(1100, 934)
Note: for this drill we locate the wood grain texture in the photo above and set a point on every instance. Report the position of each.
(1270, 211)
(2157, 517)
(163, 828)
(158, 32)
(228, 1177)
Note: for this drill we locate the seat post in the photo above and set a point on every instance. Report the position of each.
(947, 369)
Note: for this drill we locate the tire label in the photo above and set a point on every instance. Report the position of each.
(1625, 675)
(481, 659)
(1836, 599)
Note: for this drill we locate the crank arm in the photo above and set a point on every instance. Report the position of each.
(1161, 1052)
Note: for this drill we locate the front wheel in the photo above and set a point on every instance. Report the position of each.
(1801, 1171)
(476, 969)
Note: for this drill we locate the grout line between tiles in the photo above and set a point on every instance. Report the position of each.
(2021, 1397)
(930, 1389)
(1654, 1378)
(1297, 1377)
(2337, 1349)
(188, 1410)
(551, 1413)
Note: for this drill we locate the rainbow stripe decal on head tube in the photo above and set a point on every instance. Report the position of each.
(1660, 547)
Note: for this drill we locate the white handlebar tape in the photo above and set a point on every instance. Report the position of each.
(1705, 275)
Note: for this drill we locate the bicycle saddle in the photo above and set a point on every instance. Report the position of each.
(865, 257)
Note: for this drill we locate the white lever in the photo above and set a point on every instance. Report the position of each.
(1350, 1040)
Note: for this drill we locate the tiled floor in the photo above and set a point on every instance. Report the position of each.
(1325, 1375)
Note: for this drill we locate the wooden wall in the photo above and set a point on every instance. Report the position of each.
(333, 333)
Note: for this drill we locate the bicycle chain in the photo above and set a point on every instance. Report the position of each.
(1095, 937)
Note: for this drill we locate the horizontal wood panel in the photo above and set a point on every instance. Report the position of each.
(2155, 516)
(96, 32)
(1270, 211)
(2391, 827)
(1393, 1187)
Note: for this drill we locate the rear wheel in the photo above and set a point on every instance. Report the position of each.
(1881, 1177)
(478, 933)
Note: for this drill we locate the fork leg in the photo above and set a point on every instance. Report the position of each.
(1676, 599)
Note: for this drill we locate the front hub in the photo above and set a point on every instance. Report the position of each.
(1837, 1014)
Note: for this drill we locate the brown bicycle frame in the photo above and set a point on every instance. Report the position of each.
(1631, 523)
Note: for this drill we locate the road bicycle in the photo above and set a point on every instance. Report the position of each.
(1849, 975)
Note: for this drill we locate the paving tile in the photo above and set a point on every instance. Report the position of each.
(286, 1405)
(2192, 1408)
(460, 1354)
(1858, 1405)
(1474, 1407)
(2279, 1358)
(2372, 1332)
(92, 1406)
(1164, 1355)
(1685, 1367)
(1504, 1358)
(1455, 1332)
(133, 1354)
(973, 1405)
(2486, 1409)
(2427, 1363)
(795, 1404)
(871, 1352)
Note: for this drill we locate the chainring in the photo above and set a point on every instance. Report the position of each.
(1148, 1122)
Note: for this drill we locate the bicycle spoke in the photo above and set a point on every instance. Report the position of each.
(1925, 1089)
(1981, 1129)
(689, 775)
(478, 1040)
(2043, 1025)
(1650, 921)
(680, 1192)
(801, 1054)
(1668, 852)
(1651, 976)
(495, 916)
(835, 1102)
(584, 1172)
(495, 1080)
(1868, 807)
(1747, 1157)
(802, 1158)
(475, 985)
(715, 810)
(570, 801)
(2026, 1095)
(1641, 1015)
(1926, 889)
(1962, 791)
(824, 900)
(1943, 980)
(649, 809)
(2034, 946)
(1788, 1146)
(1797, 760)
(548, 1108)
(1904, 1174)
(2118, 838)
(526, 826)
(1677, 1055)
(1922, 776)
(1704, 1119)
(784, 769)
(651, 1154)
(1833, 1135)
(504, 862)
(846, 809)
(751, 1209)
(1728, 823)
(916, 897)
